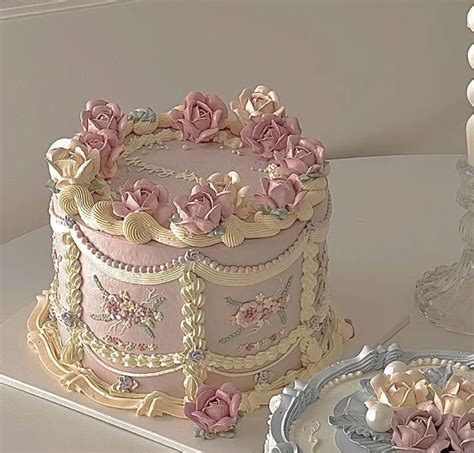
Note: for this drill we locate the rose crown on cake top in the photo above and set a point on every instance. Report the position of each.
(280, 178)
(190, 259)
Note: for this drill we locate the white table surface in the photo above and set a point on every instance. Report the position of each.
(394, 218)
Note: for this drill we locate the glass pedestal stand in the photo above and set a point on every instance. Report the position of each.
(445, 295)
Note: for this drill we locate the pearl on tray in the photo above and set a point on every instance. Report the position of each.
(379, 416)
(395, 367)
(185, 147)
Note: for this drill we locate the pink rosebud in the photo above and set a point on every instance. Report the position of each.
(416, 430)
(203, 210)
(107, 143)
(200, 117)
(301, 156)
(102, 115)
(459, 431)
(279, 194)
(215, 409)
(268, 133)
(249, 313)
(144, 196)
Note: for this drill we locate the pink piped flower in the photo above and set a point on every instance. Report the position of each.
(249, 313)
(144, 196)
(215, 410)
(203, 210)
(279, 194)
(107, 143)
(103, 115)
(459, 431)
(416, 430)
(200, 117)
(302, 156)
(268, 134)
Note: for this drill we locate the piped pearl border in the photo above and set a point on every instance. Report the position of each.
(212, 271)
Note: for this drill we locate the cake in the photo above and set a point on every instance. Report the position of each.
(189, 250)
(384, 400)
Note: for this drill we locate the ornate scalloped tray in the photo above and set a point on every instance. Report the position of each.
(287, 408)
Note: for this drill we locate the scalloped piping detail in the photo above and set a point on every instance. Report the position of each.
(131, 373)
(43, 337)
(209, 270)
(140, 227)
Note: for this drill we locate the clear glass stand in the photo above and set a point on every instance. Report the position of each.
(445, 295)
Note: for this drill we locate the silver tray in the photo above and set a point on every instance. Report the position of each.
(292, 402)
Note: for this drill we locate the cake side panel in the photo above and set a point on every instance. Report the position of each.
(167, 318)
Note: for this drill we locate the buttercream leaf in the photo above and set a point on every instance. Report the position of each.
(439, 376)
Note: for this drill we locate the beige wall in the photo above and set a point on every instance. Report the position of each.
(366, 77)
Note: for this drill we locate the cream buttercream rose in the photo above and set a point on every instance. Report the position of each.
(407, 389)
(256, 102)
(70, 163)
(230, 186)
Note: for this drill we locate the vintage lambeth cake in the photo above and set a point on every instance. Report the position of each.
(189, 253)
(385, 400)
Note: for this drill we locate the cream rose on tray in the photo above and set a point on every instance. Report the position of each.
(402, 389)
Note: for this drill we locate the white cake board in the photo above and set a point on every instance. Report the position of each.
(20, 368)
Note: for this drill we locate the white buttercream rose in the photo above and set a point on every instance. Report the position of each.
(231, 187)
(256, 102)
(407, 389)
(70, 163)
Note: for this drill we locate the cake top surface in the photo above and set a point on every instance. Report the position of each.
(196, 175)
(179, 166)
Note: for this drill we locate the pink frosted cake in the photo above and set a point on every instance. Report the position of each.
(189, 251)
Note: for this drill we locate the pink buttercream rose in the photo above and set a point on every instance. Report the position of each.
(144, 196)
(107, 143)
(203, 210)
(281, 194)
(200, 117)
(102, 115)
(416, 431)
(459, 431)
(215, 409)
(301, 156)
(249, 313)
(268, 133)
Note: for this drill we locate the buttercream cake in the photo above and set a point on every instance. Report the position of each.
(189, 250)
